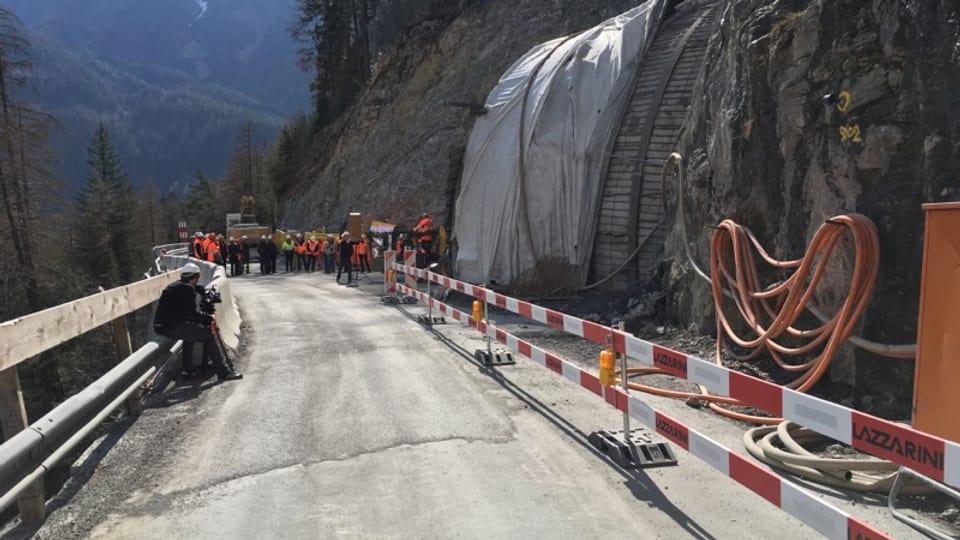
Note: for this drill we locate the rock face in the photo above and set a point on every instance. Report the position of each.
(809, 109)
(399, 150)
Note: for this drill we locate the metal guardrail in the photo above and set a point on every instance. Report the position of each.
(26, 456)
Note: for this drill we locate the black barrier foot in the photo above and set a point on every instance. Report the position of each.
(409, 300)
(390, 300)
(500, 358)
(639, 451)
(427, 321)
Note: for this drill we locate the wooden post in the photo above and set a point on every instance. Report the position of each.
(121, 336)
(13, 419)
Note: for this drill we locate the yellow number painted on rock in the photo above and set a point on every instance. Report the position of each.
(845, 99)
(850, 133)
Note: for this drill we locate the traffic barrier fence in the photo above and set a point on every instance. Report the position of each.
(818, 514)
(924, 453)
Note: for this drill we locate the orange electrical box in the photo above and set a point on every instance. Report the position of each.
(936, 391)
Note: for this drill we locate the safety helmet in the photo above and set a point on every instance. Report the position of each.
(198, 234)
(189, 270)
(244, 237)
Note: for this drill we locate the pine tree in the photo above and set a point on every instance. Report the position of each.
(107, 243)
(25, 192)
(15, 192)
(335, 43)
(241, 179)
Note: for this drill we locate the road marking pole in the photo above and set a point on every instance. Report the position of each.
(486, 323)
(429, 301)
(626, 389)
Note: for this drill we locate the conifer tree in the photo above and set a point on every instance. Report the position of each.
(335, 44)
(16, 164)
(25, 192)
(107, 244)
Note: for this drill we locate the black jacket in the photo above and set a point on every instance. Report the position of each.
(178, 305)
(346, 250)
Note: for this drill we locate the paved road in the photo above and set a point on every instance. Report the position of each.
(353, 422)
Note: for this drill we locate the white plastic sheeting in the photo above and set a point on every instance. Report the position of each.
(532, 170)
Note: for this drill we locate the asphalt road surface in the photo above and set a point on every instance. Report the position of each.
(353, 421)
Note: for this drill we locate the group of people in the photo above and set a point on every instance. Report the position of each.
(214, 248)
(302, 255)
(299, 254)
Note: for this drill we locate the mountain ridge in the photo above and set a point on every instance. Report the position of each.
(173, 92)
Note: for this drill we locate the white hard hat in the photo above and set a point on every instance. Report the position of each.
(244, 237)
(345, 233)
(189, 269)
(198, 234)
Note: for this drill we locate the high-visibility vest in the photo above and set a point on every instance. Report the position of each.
(425, 226)
(313, 248)
(212, 249)
(198, 248)
(300, 248)
(362, 247)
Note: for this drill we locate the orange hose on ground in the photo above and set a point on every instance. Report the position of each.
(771, 313)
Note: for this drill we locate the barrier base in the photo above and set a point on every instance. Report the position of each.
(638, 451)
(390, 300)
(425, 320)
(409, 300)
(500, 358)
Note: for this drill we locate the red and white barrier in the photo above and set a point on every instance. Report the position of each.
(922, 452)
(823, 517)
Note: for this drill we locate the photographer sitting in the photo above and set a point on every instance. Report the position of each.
(179, 317)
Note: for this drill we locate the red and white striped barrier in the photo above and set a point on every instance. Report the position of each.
(924, 453)
(820, 515)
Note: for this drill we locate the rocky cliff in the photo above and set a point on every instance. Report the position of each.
(811, 108)
(398, 151)
(806, 109)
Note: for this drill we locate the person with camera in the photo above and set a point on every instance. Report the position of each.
(179, 317)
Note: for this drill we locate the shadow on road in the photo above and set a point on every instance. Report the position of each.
(637, 481)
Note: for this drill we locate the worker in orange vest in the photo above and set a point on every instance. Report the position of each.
(313, 251)
(424, 231)
(211, 248)
(300, 248)
(363, 254)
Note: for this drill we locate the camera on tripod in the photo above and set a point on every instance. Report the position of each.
(209, 297)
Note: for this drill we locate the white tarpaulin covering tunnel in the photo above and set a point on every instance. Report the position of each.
(533, 167)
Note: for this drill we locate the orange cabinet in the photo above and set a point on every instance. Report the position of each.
(936, 393)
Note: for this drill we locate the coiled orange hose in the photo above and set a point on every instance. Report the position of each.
(771, 313)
